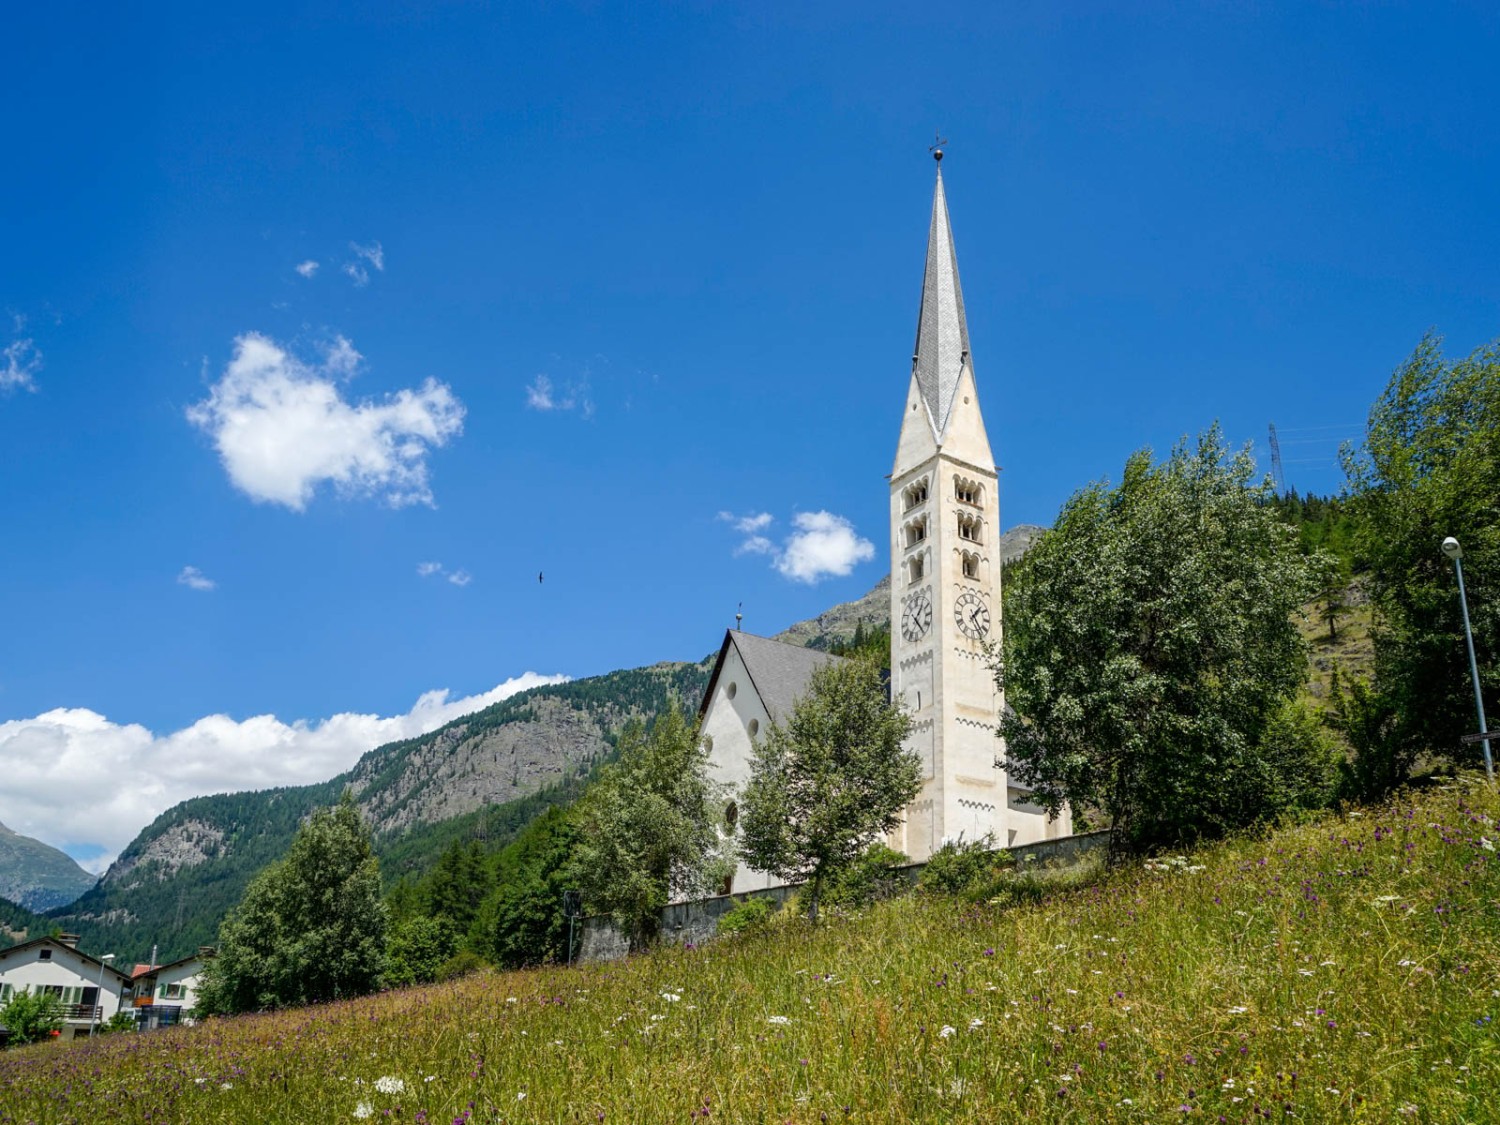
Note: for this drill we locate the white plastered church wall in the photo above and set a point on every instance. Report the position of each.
(727, 722)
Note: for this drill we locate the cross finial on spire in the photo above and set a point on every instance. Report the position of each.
(936, 148)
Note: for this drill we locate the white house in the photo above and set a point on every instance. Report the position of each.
(166, 995)
(88, 988)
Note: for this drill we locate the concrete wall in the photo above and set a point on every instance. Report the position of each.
(698, 921)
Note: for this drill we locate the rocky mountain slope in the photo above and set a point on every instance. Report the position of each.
(36, 875)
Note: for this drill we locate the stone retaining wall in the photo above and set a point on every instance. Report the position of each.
(698, 921)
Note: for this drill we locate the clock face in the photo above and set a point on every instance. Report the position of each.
(918, 616)
(971, 615)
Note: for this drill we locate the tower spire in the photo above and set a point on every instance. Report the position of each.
(942, 350)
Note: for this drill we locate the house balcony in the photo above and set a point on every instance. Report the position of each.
(82, 1013)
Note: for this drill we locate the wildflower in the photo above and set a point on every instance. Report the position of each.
(948, 1029)
(780, 1021)
(521, 1097)
(390, 1085)
(975, 1024)
(364, 1109)
(1238, 1010)
(671, 997)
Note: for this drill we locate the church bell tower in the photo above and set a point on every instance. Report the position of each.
(945, 582)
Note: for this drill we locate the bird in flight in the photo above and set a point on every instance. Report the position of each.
(539, 577)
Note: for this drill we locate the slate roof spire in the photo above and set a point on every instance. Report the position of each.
(942, 350)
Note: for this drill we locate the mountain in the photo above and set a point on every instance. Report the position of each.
(484, 776)
(36, 875)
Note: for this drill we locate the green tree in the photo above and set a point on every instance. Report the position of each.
(31, 1016)
(310, 928)
(647, 827)
(1429, 467)
(522, 922)
(1151, 654)
(829, 779)
(417, 948)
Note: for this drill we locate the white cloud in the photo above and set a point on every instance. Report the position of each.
(195, 579)
(542, 395)
(823, 545)
(22, 362)
(307, 268)
(372, 256)
(78, 781)
(749, 525)
(436, 569)
(282, 428)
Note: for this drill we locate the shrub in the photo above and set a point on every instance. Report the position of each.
(872, 877)
(31, 1016)
(964, 869)
(120, 1021)
(749, 916)
(461, 964)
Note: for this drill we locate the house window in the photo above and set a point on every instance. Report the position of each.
(915, 494)
(971, 565)
(916, 568)
(171, 991)
(969, 527)
(44, 954)
(967, 492)
(6, 992)
(916, 531)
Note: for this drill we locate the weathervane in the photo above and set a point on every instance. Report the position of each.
(936, 148)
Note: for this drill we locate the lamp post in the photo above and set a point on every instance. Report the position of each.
(1456, 553)
(99, 998)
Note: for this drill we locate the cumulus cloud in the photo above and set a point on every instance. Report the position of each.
(307, 268)
(426, 569)
(22, 362)
(541, 394)
(195, 579)
(460, 578)
(282, 427)
(366, 258)
(82, 782)
(821, 544)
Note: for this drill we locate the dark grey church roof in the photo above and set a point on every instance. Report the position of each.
(780, 672)
(942, 350)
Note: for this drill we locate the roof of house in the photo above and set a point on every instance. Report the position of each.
(151, 970)
(94, 962)
(779, 672)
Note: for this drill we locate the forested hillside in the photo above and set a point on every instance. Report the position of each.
(19, 924)
(36, 875)
(481, 777)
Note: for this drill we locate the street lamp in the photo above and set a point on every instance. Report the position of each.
(99, 998)
(1456, 553)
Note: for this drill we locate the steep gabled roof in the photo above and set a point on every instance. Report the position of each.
(779, 672)
(93, 962)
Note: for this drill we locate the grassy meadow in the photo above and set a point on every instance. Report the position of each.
(1344, 970)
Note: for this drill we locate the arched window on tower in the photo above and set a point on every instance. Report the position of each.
(914, 494)
(966, 491)
(970, 564)
(970, 528)
(916, 531)
(916, 567)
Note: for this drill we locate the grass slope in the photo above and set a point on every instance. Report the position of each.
(1346, 970)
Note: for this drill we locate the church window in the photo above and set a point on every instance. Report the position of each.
(44, 955)
(915, 494)
(754, 727)
(916, 567)
(731, 690)
(916, 531)
(967, 492)
(971, 565)
(969, 527)
(731, 814)
(726, 886)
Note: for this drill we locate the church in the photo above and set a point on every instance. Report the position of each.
(945, 606)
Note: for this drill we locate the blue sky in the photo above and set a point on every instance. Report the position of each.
(587, 277)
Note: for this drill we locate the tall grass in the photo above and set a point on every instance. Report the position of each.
(1346, 970)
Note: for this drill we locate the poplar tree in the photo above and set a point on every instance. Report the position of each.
(830, 780)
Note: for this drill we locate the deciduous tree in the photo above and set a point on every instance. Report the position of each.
(1151, 657)
(828, 780)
